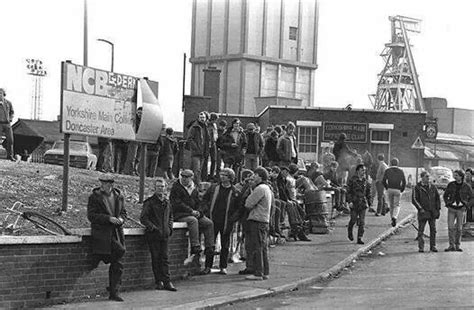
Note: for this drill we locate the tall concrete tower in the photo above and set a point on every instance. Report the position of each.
(262, 48)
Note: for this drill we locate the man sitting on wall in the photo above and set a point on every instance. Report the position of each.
(185, 204)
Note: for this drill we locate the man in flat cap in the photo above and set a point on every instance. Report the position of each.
(106, 212)
(184, 198)
(6, 117)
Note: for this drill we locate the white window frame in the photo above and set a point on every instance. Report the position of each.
(317, 125)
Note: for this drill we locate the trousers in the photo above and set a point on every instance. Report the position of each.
(195, 226)
(421, 229)
(357, 216)
(455, 221)
(159, 257)
(258, 247)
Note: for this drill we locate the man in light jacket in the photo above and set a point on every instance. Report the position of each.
(394, 182)
(259, 202)
(380, 189)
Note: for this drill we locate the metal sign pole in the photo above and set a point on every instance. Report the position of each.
(143, 164)
(66, 171)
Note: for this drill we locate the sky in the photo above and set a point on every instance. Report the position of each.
(151, 37)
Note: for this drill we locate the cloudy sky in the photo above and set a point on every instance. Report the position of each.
(151, 37)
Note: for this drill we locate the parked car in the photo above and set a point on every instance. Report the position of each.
(80, 155)
(3, 152)
(441, 176)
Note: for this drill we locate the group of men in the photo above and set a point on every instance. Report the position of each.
(235, 147)
(259, 203)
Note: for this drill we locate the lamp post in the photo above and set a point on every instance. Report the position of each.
(112, 52)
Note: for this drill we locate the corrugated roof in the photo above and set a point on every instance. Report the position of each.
(48, 130)
(454, 139)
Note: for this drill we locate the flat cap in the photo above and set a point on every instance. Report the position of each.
(187, 173)
(106, 177)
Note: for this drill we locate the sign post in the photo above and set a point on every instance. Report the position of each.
(418, 146)
(103, 104)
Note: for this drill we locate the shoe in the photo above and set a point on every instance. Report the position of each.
(265, 277)
(350, 236)
(169, 287)
(254, 278)
(205, 271)
(421, 250)
(394, 222)
(372, 210)
(302, 236)
(434, 249)
(458, 249)
(196, 250)
(223, 271)
(450, 249)
(359, 241)
(245, 271)
(377, 214)
(115, 297)
(159, 286)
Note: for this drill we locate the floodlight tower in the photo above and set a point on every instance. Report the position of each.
(37, 72)
(398, 87)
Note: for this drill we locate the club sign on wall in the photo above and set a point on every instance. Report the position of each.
(355, 132)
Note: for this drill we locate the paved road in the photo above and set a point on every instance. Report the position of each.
(399, 278)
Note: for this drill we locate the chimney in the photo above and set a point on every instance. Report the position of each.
(211, 87)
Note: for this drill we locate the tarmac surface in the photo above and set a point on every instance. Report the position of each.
(293, 265)
(393, 275)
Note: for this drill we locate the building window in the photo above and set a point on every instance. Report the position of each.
(293, 33)
(380, 136)
(307, 139)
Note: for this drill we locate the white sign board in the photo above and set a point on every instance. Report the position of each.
(101, 103)
(418, 144)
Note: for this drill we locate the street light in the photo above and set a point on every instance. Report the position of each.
(112, 52)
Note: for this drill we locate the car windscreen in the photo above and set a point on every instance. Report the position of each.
(73, 146)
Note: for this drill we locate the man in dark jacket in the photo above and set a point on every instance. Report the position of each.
(169, 149)
(185, 204)
(358, 195)
(106, 212)
(198, 141)
(394, 182)
(456, 198)
(254, 147)
(425, 198)
(157, 218)
(222, 203)
(287, 146)
(6, 117)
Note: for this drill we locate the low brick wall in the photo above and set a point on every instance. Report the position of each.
(42, 270)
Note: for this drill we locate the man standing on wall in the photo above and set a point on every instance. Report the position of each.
(106, 212)
(394, 182)
(198, 143)
(157, 218)
(6, 117)
(287, 147)
(254, 147)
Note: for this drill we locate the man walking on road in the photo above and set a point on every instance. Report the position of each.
(456, 198)
(358, 195)
(106, 212)
(157, 218)
(380, 189)
(425, 198)
(394, 182)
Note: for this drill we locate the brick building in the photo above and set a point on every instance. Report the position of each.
(389, 132)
